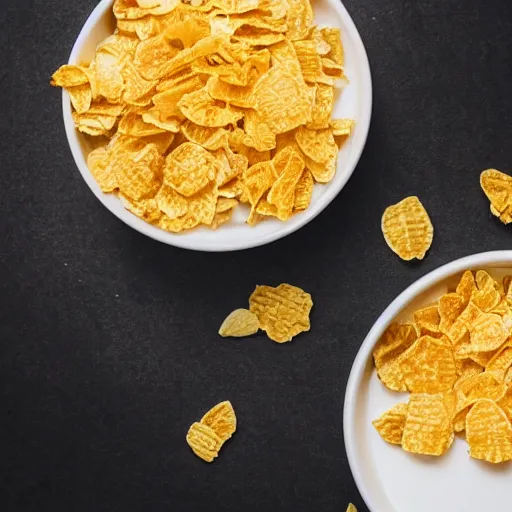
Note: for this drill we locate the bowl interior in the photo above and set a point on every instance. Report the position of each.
(390, 479)
(354, 102)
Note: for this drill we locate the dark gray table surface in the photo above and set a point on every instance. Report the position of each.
(108, 339)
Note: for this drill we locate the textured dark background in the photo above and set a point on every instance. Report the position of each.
(108, 339)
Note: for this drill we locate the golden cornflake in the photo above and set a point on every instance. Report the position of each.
(200, 108)
(487, 297)
(215, 428)
(467, 368)
(318, 145)
(342, 127)
(187, 221)
(506, 402)
(472, 388)
(202, 206)
(209, 138)
(239, 323)
(221, 419)
(299, 18)
(131, 10)
(427, 320)
(450, 308)
(283, 312)
(322, 108)
(466, 286)
(488, 432)
(257, 180)
(139, 174)
(208, 99)
(394, 342)
(238, 96)
(303, 191)
(322, 172)
(171, 202)
(487, 333)
(497, 186)
(201, 209)
(231, 165)
(81, 97)
(146, 209)
(136, 88)
(189, 168)
(481, 385)
(428, 366)
(119, 45)
(272, 93)
(225, 204)
(133, 124)
(428, 428)
(152, 53)
(332, 37)
(390, 374)
(205, 443)
(500, 362)
(103, 173)
(309, 59)
(481, 358)
(282, 193)
(391, 424)
(69, 76)
(483, 279)
(221, 218)
(109, 80)
(507, 288)
(407, 229)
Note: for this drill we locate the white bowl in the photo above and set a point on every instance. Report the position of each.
(355, 102)
(390, 479)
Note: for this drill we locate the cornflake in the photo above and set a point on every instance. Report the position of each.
(215, 428)
(407, 229)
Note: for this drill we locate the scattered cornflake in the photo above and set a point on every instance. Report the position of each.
(195, 101)
(221, 419)
(456, 361)
(283, 312)
(497, 186)
(239, 323)
(215, 428)
(407, 228)
(205, 443)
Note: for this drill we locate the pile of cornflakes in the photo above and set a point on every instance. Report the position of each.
(282, 312)
(455, 358)
(207, 436)
(208, 104)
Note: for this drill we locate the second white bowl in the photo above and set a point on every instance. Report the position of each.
(390, 479)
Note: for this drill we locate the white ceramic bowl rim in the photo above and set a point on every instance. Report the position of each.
(473, 262)
(182, 240)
